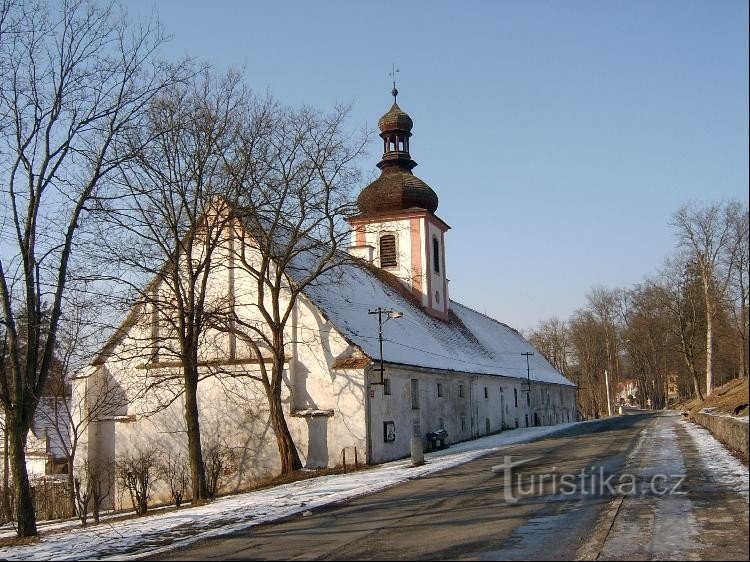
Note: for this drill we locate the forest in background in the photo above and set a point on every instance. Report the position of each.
(674, 336)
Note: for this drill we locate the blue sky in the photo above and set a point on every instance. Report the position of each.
(559, 136)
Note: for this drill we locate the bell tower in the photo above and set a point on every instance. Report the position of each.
(396, 228)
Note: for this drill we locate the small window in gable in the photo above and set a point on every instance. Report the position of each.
(388, 251)
(435, 254)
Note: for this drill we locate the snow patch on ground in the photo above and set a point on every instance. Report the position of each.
(156, 534)
(726, 468)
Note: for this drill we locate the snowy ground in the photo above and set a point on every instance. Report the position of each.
(727, 468)
(700, 509)
(162, 532)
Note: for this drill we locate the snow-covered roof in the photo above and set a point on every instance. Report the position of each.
(468, 342)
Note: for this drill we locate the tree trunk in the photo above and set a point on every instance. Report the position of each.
(696, 385)
(192, 423)
(7, 510)
(71, 488)
(290, 460)
(743, 334)
(709, 342)
(25, 517)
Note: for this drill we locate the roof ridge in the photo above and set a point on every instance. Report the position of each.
(487, 316)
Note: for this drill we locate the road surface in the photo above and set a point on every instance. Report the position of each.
(629, 488)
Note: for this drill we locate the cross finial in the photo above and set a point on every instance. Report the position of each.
(392, 73)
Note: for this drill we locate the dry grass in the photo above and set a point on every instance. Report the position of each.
(294, 477)
(725, 398)
(18, 541)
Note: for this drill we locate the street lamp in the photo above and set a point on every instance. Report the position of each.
(388, 313)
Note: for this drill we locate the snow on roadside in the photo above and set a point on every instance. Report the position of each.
(726, 468)
(151, 535)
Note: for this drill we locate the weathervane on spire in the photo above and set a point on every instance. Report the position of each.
(392, 73)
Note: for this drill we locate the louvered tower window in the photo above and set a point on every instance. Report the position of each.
(388, 251)
(436, 254)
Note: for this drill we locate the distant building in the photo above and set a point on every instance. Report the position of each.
(627, 393)
(49, 437)
(446, 366)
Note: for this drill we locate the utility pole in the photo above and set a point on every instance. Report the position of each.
(388, 315)
(528, 369)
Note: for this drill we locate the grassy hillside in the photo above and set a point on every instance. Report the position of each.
(725, 398)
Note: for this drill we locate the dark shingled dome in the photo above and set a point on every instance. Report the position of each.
(396, 189)
(395, 119)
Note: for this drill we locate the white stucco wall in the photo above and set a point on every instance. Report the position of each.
(401, 229)
(463, 410)
(413, 234)
(324, 405)
(438, 297)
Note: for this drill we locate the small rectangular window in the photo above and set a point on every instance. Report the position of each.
(388, 256)
(386, 387)
(436, 254)
(389, 431)
(440, 390)
(486, 392)
(414, 394)
(460, 391)
(515, 396)
(463, 423)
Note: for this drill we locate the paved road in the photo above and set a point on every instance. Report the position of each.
(531, 512)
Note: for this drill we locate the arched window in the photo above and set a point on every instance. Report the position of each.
(435, 254)
(388, 251)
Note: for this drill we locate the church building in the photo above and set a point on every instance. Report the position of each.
(378, 352)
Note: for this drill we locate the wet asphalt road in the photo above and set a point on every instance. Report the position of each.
(473, 513)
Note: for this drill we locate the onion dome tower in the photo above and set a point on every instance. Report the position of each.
(396, 228)
(397, 188)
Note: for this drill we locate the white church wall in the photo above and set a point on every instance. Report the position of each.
(437, 284)
(324, 405)
(469, 406)
(401, 230)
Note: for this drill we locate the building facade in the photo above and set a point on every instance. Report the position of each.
(355, 382)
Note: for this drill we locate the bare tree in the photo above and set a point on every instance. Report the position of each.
(294, 184)
(604, 303)
(587, 339)
(649, 340)
(737, 260)
(175, 471)
(176, 217)
(73, 400)
(92, 485)
(75, 80)
(137, 470)
(552, 340)
(706, 232)
(219, 464)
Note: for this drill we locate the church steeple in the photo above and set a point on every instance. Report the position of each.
(397, 188)
(395, 130)
(396, 228)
